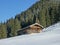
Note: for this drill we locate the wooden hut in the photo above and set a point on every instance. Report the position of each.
(34, 28)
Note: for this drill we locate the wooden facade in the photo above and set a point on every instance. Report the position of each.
(34, 28)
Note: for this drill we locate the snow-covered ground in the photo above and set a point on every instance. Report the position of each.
(49, 36)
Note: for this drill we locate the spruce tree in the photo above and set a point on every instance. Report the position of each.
(17, 26)
(3, 30)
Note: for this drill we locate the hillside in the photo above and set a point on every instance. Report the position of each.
(49, 36)
(44, 12)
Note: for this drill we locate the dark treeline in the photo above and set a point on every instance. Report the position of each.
(44, 12)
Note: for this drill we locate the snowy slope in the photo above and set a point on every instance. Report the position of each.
(49, 36)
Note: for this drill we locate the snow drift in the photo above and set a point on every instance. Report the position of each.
(49, 36)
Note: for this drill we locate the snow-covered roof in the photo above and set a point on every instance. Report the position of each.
(36, 24)
(31, 26)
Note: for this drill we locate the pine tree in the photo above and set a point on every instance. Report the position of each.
(48, 20)
(43, 17)
(17, 26)
(0, 32)
(3, 31)
(12, 27)
(58, 13)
